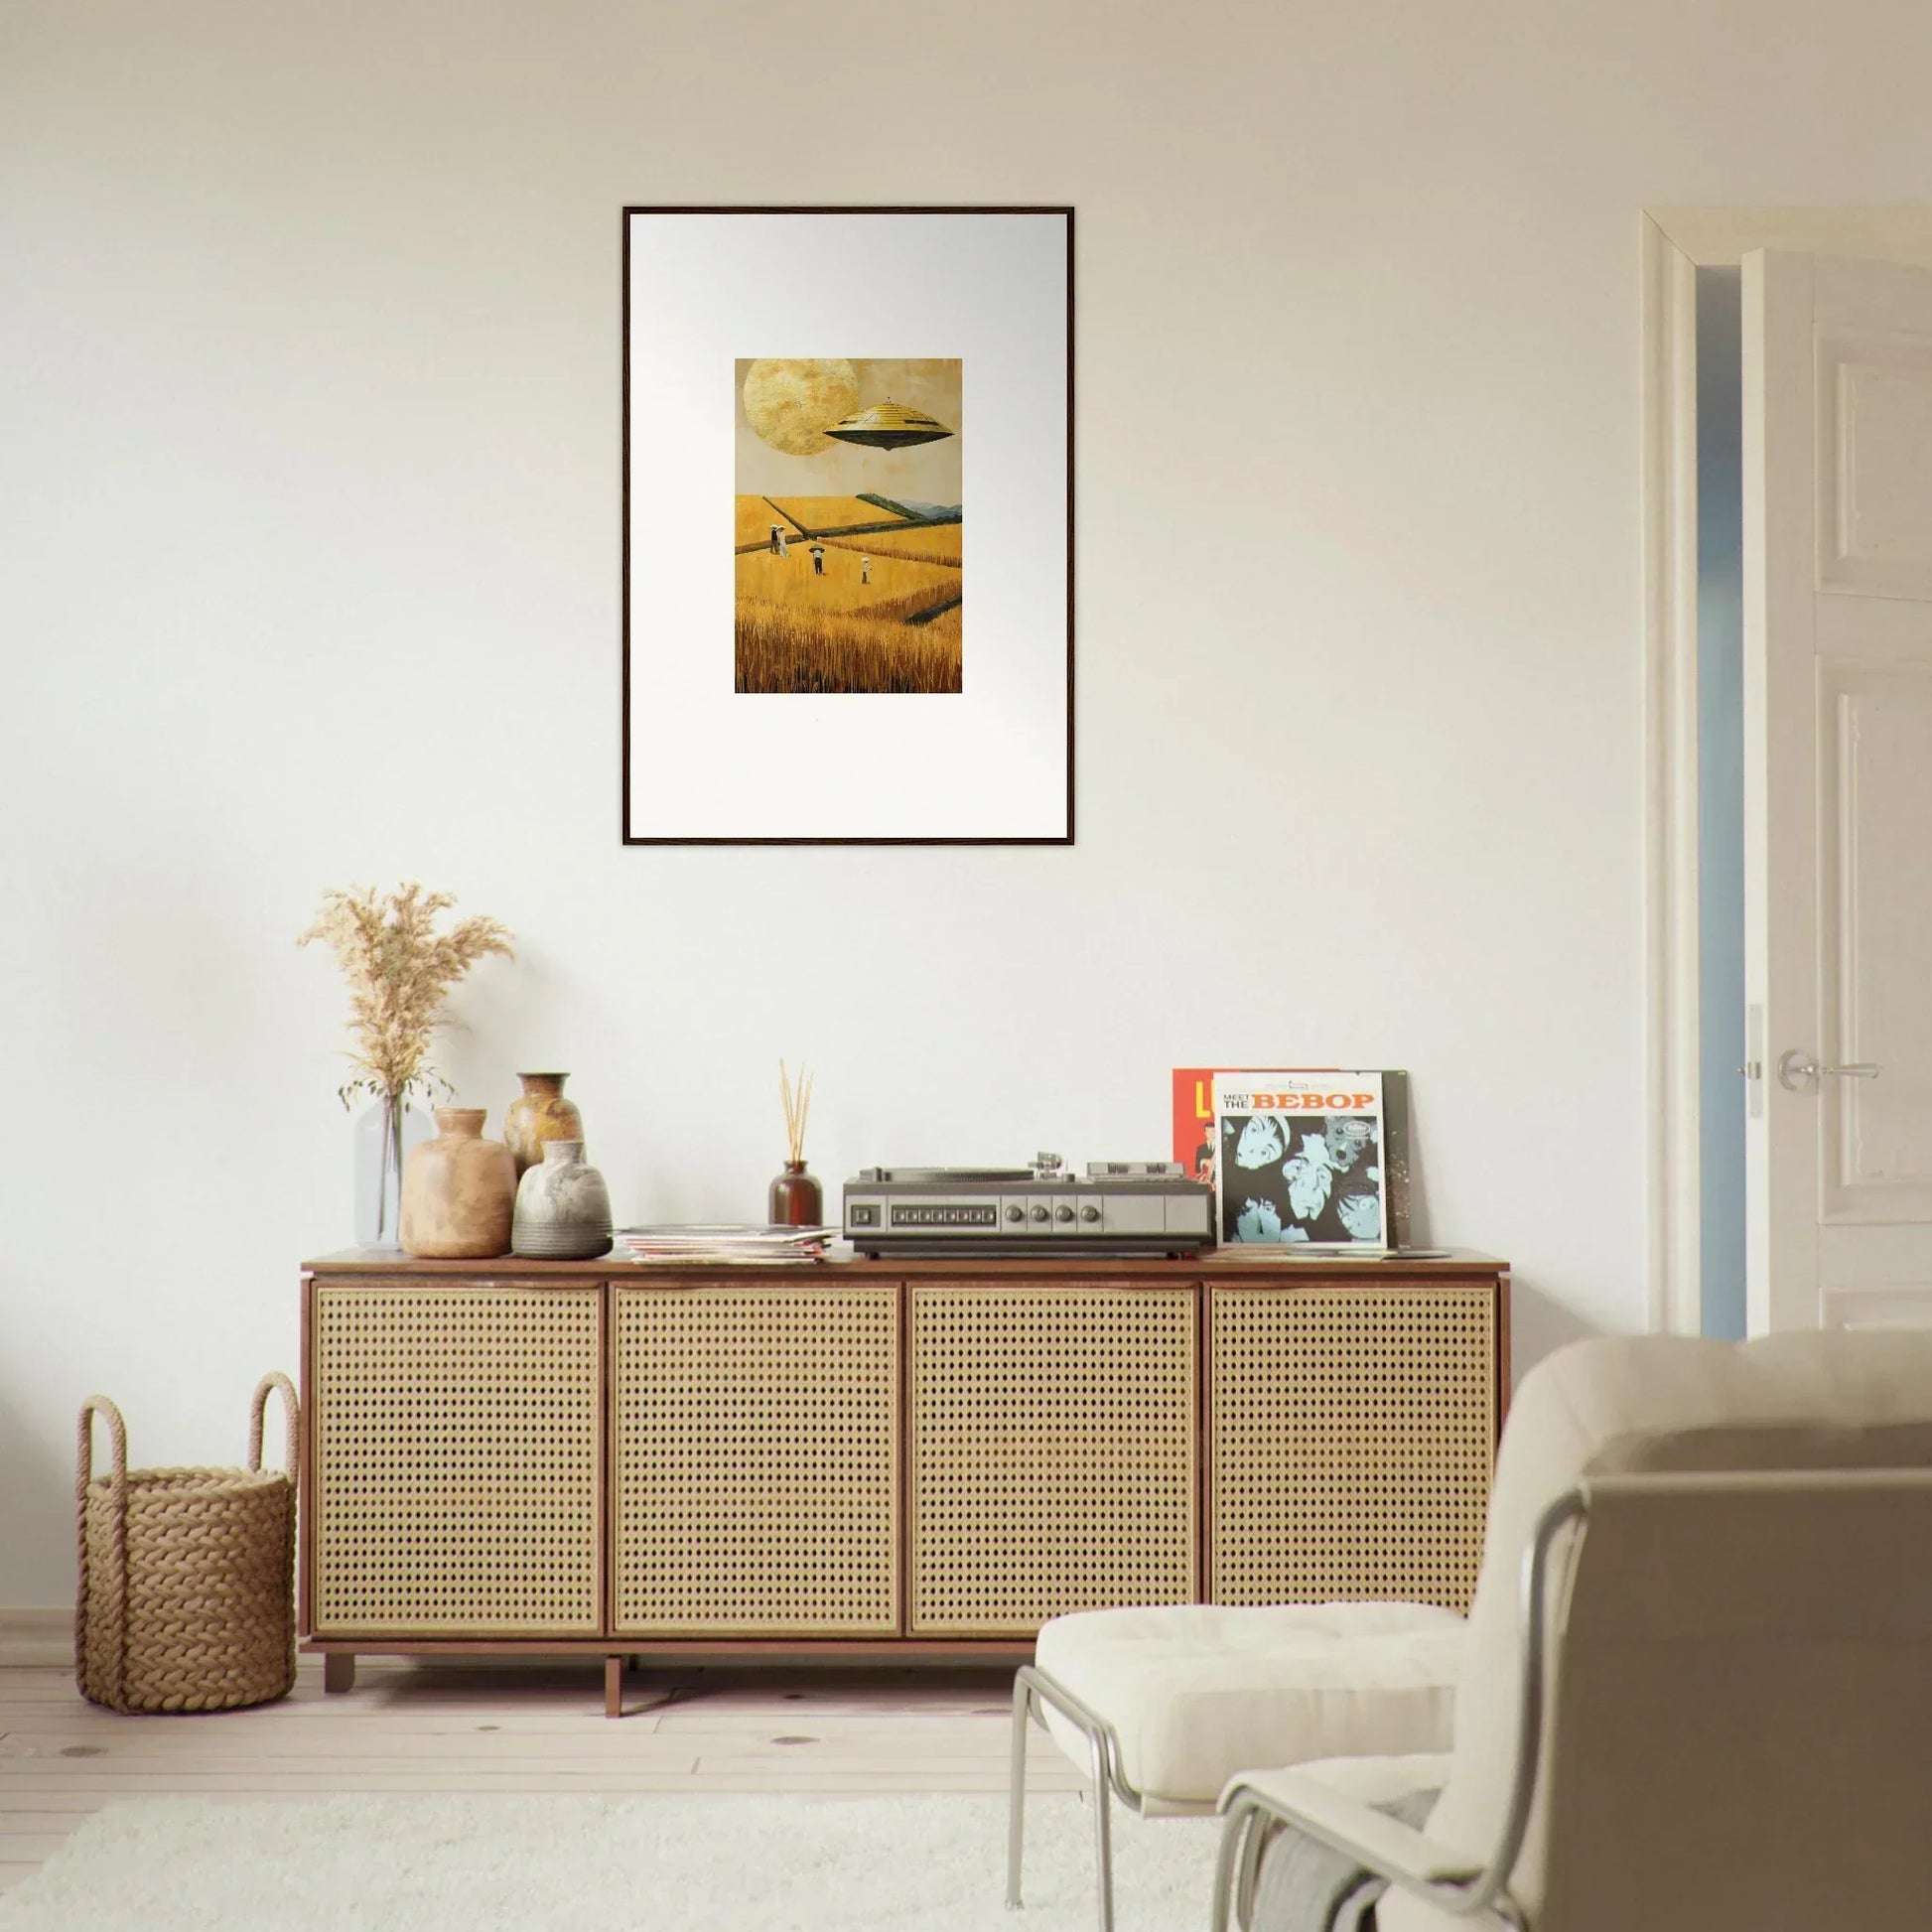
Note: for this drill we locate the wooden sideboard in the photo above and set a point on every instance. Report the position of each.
(884, 1459)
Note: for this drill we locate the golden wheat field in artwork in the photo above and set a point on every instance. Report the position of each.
(934, 544)
(830, 515)
(756, 521)
(846, 528)
(848, 620)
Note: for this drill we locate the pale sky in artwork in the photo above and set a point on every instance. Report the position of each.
(928, 472)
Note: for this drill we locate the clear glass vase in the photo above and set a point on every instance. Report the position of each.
(385, 1130)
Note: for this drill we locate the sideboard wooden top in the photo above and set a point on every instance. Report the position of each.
(1219, 1263)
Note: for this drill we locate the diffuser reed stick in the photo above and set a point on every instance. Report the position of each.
(797, 1098)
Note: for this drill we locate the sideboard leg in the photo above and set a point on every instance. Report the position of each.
(338, 1670)
(613, 1687)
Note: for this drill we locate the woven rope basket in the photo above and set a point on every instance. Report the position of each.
(186, 1600)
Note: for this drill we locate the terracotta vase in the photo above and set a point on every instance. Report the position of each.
(540, 1113)
(459, 1192)
(563, 1208)
(795, 1199)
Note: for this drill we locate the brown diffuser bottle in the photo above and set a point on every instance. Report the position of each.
(795, 1199)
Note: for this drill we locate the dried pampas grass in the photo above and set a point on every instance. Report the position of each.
(399, 970)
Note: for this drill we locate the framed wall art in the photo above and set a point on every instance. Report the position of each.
(848, 525)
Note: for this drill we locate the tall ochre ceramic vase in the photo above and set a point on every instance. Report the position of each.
(538, 1114)
(459, 1192)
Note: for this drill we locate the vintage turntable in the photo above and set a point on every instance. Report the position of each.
(1119, 1207)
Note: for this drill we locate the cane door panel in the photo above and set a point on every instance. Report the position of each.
(754, 1459)
(1352, 1439)
(456, 1461)
(1053, 1459)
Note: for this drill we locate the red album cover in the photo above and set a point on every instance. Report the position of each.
(1193, 1119)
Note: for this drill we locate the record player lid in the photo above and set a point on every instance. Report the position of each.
(943, 1176)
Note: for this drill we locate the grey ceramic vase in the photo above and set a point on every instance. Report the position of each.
(563, 1208)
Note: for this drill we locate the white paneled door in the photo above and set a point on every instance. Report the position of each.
(1838, 777)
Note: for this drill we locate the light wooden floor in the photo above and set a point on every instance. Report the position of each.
(443, 1727)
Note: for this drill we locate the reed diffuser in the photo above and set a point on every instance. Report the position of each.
(795, 1200)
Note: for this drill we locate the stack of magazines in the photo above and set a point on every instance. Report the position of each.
(723, 1241)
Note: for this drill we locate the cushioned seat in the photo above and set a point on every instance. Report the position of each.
(1196, 1692)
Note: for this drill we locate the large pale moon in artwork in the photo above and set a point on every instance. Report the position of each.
(789, 400)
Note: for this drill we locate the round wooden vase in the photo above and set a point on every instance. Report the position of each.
(563, 1208)
(538, 1114)
(459, 1192)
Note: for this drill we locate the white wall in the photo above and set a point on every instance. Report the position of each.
(308, 453)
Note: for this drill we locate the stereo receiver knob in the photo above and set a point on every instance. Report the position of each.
(1040, 1213)
(1015, 1213)
(1063, 1212)
(1090, 1213)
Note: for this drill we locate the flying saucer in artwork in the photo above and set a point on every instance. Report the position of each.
(887, 426)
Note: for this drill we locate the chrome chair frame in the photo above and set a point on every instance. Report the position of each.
(1481, 1896)
(1032, 1689)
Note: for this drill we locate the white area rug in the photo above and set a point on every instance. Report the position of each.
(607, 1865)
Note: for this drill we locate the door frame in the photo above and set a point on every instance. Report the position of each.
(1676, 242)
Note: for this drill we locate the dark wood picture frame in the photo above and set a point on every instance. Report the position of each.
(625, 828)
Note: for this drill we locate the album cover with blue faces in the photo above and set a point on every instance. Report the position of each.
(1304, 1158)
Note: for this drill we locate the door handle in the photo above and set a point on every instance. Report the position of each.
(1800, 1072)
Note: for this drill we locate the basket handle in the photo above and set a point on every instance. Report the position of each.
(291, 1415)
(99, 1404)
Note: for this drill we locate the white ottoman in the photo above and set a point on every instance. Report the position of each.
(1163, 1705)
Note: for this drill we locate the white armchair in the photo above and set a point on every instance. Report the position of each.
(1697, 1683)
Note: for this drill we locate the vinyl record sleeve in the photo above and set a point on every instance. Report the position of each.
(1206, 1154)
